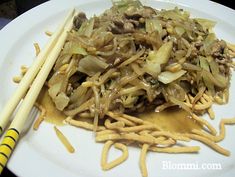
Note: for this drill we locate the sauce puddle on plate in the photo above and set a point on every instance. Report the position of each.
(173, 120)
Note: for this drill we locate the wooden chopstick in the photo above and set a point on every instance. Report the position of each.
(30, 75)
(13, 133)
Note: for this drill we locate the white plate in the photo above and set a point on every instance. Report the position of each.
(41, 154)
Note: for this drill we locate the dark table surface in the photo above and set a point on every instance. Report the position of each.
(28, 4)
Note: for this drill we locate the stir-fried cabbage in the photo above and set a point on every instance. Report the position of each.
(133, 57)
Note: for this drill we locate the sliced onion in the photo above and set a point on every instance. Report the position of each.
(152, 25)
(206, 73)
(167, 77)
(179, 31)
(208, 42)
(90, 65)
(87, 27)
(189, 66)
(61, 101)
(162, 55)
(218, 80)
(74, 48)
(206, 24)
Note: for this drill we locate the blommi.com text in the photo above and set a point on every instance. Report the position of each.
(168, 165)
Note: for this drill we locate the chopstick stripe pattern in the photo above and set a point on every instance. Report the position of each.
(10, 138)
(3, 155)
(7, 146)
(14, 130)
(6, 150)
(3, 158)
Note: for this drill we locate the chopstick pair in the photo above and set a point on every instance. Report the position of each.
(31, 84)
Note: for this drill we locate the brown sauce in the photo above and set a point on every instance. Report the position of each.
(174, 120)
(53, 115)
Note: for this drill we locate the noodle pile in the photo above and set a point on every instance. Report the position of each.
(132, 59)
